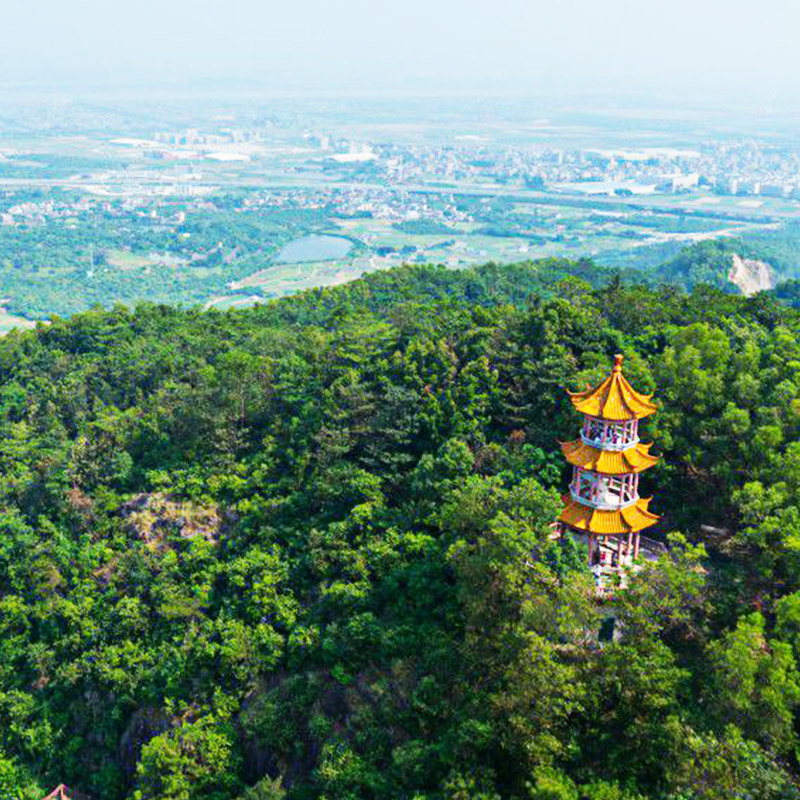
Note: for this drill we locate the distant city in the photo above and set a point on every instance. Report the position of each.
(196, 201)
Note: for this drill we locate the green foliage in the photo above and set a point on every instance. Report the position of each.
(707, 262)
(9, 780)
(549, 784)
(729, 767)
(304, 550)
(266, 789)
(116, 256)
(757, 683)
(195, 760)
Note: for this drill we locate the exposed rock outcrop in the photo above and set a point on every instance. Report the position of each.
(153, 516)
(750, 276)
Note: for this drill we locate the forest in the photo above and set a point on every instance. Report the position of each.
(302, 550)
(120, 256)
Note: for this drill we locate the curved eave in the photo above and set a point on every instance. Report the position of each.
(610, 462)
(631, 519)
(613, 399)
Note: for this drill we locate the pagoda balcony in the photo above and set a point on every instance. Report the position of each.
(604, 492)
(610, 435)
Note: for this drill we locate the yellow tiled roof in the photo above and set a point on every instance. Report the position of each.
(630, 519)
(610, 462)
(614, 398)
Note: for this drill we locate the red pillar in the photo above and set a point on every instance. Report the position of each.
(636, 546)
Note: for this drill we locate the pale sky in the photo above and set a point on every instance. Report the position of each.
(701, 45)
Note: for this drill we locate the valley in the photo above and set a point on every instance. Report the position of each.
(205, 202)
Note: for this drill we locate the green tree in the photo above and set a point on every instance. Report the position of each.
(195, 761)
(757, 683)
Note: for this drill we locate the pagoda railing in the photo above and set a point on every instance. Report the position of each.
(610, 434)
(652, 545)
(604, 492)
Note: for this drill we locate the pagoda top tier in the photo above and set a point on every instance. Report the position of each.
(614, 398)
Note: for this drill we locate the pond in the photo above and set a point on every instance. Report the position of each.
(314, 248)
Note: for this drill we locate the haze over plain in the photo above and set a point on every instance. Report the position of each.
(700, 49)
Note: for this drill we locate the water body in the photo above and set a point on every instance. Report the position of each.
(314, 248)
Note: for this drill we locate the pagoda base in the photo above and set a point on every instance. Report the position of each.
(610, 559)
(613, 558)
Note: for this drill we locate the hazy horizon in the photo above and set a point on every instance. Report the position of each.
(677, 49)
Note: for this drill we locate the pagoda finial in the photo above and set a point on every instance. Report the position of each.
(618, 359)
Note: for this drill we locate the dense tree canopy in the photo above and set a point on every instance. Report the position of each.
(302, 550)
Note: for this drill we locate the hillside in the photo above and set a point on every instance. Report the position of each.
(302, 550)
(742, 266)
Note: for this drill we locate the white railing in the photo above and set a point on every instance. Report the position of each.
(600, 444)
(610, 434)
(602, 505)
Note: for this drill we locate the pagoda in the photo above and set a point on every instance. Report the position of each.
(603, 507)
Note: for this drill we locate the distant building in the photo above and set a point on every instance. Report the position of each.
(749, 187)
(728, 186)
(776, 190)
(683, 183)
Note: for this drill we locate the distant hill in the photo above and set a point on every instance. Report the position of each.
(728, 264)
(745, 265)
